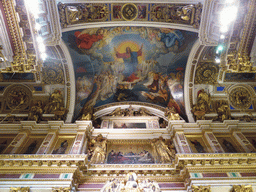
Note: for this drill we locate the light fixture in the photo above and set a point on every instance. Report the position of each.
(222, 36)
(217, 60)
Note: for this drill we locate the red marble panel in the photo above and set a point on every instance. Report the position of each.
(91, 185)
(215, 175)
(12, 176)
(49, 176)
(171, 185)
(248, 174)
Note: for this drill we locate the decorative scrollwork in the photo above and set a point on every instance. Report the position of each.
(53, 74)
(240, 98)
(201, 188)
(206, 73)
(61, 189)
(74, 13)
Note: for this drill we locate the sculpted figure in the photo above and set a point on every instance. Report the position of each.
(143, 112)
(56, 101)
(202, 106)
(88, 115)
(36, 112)
(223, 111)
(161, 151)
(170, 112)
(117, 112)
(99, 149)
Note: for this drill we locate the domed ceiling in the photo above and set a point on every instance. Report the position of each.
(118, 64)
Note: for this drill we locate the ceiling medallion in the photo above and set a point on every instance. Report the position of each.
(18, 97)
(129, 12)
(240, 98)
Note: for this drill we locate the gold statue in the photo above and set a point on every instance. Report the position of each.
(202, 106)
(56, 101)
(36, 112)
(170, 112)
(161, 151)
(241, 188)
(223, 111)
(98, 149)
(88, 115)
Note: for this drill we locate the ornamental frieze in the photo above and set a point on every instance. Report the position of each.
(76, 13)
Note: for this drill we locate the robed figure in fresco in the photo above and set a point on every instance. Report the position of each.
(131, 62)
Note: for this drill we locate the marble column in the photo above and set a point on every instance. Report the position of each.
(181, 143)
(46, 144)
(78, 143)
(241, 139)
(16, 143)
(213, 142)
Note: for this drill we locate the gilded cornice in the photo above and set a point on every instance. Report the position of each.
(23, 61)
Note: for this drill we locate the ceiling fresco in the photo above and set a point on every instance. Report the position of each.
(129, 64)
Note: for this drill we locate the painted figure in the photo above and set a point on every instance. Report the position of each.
(62, 149)
(198, 146)
(31, 148)
(230, 148)
(131, 62)
(85, 41)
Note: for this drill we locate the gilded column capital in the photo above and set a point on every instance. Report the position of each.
(241, 188)
(19, 189)
(201, 188)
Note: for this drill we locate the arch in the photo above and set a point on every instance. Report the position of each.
(189, 79)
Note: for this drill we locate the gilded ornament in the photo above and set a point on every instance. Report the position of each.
(61, 189)
(223, 111)
(242, 188)
(129, 11)
(162, 152)
(177, 13)
(75, 13)
(53, 74)
(97, 150)
(131, 184)
(202, 106)
(18, 97)
(171, 114)
(36, 112)
(55, 102)
(206, 73)
(240, 98)
(201, 188)
(19, 189)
